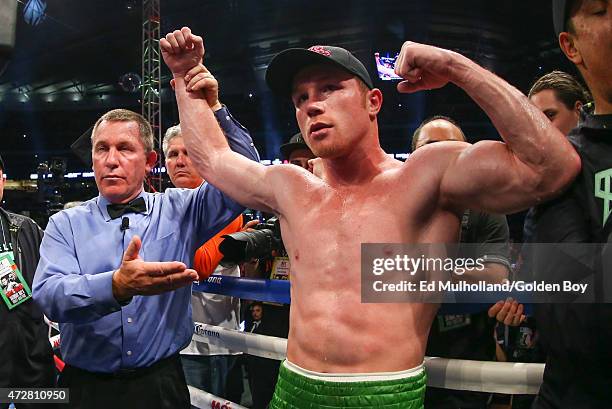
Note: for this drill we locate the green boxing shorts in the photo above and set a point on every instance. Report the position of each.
(299, 388)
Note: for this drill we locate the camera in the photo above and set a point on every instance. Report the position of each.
(244, 246)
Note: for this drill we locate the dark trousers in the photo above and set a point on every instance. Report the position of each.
(263, 374)
(439, 398)
(574, 383)
(210, 373)
(160, 386)
(26, 357)
(234, 386)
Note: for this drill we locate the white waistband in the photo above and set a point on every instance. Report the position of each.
(354, 377)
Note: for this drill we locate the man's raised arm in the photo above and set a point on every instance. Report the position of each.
(249, 183)
(536, 161)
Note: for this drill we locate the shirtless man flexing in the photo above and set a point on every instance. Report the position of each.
(342, 352)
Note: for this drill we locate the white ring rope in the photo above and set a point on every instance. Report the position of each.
(461, 374)
(496, 377)
(252, 344)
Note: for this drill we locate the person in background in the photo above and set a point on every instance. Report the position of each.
(206, 366)
(483, 235)
(26, 356)
(263, 372)
(561, 97)
(578, 372)
(114, 271)
(296, 152)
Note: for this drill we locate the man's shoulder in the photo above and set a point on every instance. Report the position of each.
(181, 200)
(18, 220)
(434, 159)
(482, 227)
(175, 192)
(591, 138)
(177, 195)
(562, 219)
(290, 176)
(481, 218)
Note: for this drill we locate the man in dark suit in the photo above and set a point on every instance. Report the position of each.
(263, 372)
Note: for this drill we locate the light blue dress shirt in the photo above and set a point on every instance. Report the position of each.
(82, 247)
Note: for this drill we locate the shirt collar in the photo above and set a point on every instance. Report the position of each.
(102, 202)
(589, 120)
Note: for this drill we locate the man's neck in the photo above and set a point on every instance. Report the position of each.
(358, 167)
(124, 201)
(603, 105)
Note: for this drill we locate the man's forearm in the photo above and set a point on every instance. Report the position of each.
(200, 130)
(75, 298)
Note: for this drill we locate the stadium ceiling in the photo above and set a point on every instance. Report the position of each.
(78, 54)
(81, 59)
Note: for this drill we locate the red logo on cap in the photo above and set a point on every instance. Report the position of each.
(319, 49)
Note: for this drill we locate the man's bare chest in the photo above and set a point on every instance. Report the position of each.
(383, 214)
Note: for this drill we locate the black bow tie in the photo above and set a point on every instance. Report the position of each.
(135, 206)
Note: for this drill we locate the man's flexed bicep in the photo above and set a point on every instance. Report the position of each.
(487, 176)
(536, 161)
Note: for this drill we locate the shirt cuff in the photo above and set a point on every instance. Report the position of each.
(101, 286)
(492, 258)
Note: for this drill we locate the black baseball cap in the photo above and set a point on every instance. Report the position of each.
(286, 64)
(560, 9)
(296, 142)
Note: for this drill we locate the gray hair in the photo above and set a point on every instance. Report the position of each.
(70, 205)
(170, 134)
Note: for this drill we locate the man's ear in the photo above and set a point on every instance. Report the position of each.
(567, 43)
(375, 100)
(577, 106)
(151, 161)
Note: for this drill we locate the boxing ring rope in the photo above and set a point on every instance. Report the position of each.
(202, 399)
(493, 377)
(253, 344)
(247, 288)
(278, 291)
(458, 374)
(508, 378)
